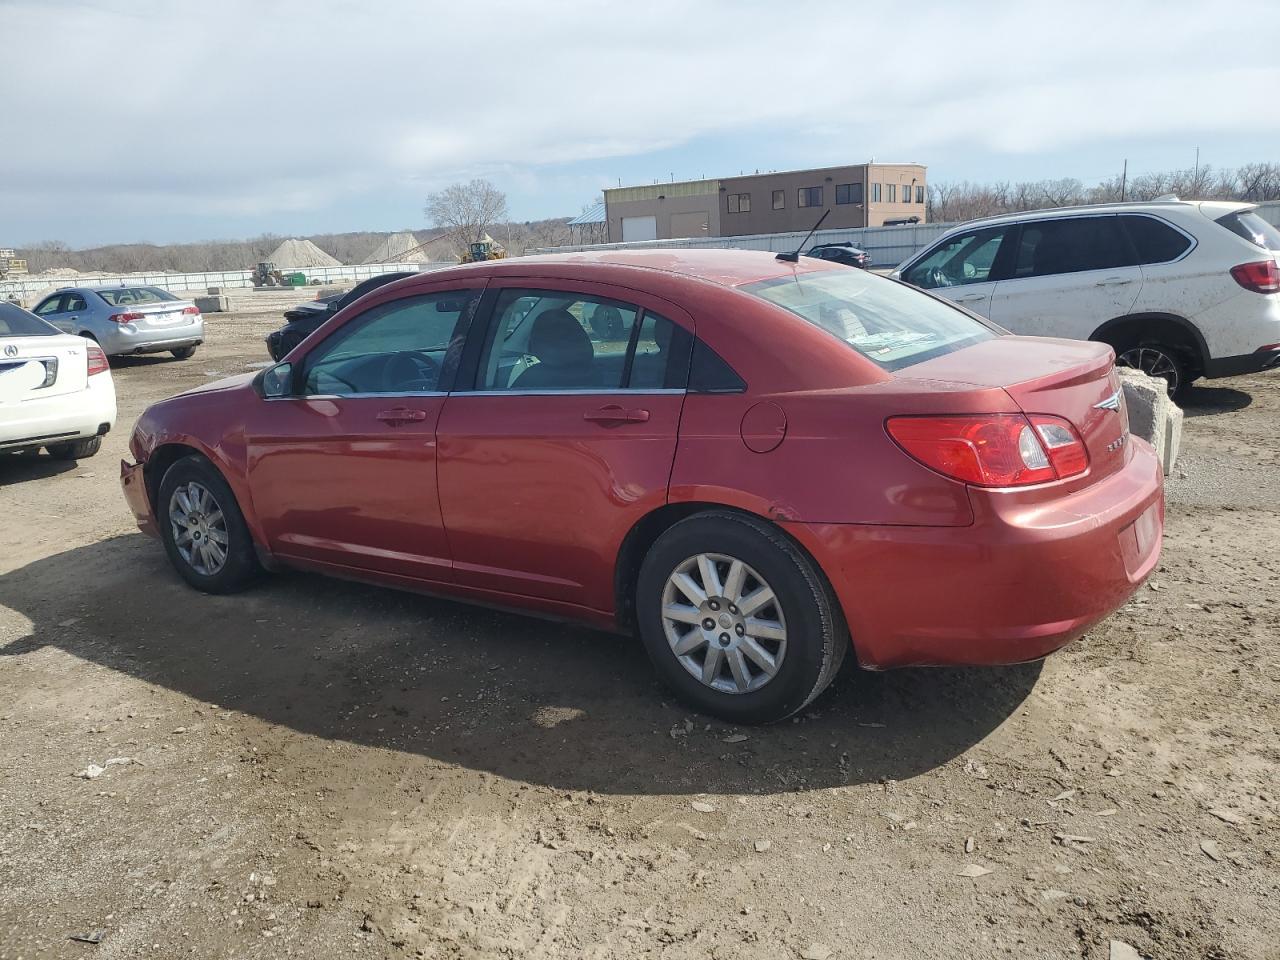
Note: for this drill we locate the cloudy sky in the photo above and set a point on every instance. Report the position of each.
(168, 120)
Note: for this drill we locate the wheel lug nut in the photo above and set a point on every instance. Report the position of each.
(740, 629)
(709, 623)
(732, 608)
(724, 639)
(715, 605)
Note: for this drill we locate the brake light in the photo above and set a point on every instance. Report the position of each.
(190, 310)
(1261, 276)
(993, 450)
(124, 317)
(97, 360)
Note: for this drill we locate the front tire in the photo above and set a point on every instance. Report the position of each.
(75, 449)
(737, 620)
(203, 530)
(183, 353)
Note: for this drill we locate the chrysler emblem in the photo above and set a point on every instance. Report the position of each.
(10, 351)
(1111, 403)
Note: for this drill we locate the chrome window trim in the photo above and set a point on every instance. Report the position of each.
(604, 391)
(361, 396)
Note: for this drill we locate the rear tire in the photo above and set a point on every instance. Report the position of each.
(1160, 359)
(759, 662)
(203, 530)
(183, 353)
(75, 449)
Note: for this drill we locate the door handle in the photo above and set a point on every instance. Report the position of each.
(972, 297)
(1114, 281)
(616, 414)
(402, 415)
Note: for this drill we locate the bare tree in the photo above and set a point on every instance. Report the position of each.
(467, 210)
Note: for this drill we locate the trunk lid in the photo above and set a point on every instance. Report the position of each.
(1071, 379)
(28, 363)
(167, 313)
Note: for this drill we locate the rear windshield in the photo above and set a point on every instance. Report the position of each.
(16, 322)
(1253, 228)
(131, 296)
(887, 322)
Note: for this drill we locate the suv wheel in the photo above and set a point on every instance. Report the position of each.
(737, 620)
(1157, 359)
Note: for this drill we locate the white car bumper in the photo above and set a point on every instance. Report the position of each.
(73, 416)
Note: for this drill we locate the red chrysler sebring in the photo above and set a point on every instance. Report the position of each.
(756, 465)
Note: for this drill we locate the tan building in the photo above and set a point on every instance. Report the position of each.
(861, 195)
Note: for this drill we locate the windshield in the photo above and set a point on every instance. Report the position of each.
(886, 322)
(131, 296)
(16, 322)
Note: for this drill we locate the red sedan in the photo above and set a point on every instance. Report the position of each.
(756, 465)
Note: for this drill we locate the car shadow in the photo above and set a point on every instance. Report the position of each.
(23, 467)
(1202, 401)
(525, 699)
(122, 361)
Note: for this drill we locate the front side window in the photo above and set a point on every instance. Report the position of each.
(888, 323)
(398, 347)
(962, 259)
(809, 197)
(1154, 240)
(1071, 245)
(550, 341)
(52, 305)
(779, 199)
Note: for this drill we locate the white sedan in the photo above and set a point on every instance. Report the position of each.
(55, 388)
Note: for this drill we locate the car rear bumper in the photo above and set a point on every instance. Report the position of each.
(1024, 580)
(90, 412)
(1266, 358)
(128, 338)
(134, 484)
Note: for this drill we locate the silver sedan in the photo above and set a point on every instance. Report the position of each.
(126, 320)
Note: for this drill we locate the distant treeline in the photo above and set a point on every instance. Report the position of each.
(955, 202)
(242, 254)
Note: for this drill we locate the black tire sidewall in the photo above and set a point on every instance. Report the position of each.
(242, 562)
(813, 626)
(183, 353)
(75, 449)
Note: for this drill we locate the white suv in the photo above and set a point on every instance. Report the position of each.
(1181, 289)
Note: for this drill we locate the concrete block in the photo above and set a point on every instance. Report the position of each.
(1152, 415)
(214, 291)
(217, 304)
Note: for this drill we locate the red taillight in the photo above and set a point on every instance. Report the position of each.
(97, 360)
(993, 450)
(1261, 276)
(124, 317)
(190, 310)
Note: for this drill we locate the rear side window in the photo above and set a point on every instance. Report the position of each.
(1070, 245)
(16, 322)
(1253, 228)
(888, 323)
(1153, 240)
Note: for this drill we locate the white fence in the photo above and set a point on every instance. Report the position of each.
(28, 289)
(888, 246)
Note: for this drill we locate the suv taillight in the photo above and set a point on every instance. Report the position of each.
(1261, 276)
(97, 360)
(124, 317)
(993, 450)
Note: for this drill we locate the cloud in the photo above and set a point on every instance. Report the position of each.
(245, 107)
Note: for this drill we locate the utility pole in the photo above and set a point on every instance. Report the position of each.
(1196, 177)
(1124, 178)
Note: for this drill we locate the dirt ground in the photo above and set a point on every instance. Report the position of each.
(320, 769)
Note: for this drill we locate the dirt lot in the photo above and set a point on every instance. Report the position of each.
(330, 770)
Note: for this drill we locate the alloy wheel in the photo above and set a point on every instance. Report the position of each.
(724, 623)
(1154, 362)
(199, 528)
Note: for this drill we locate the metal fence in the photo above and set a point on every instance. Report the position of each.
(28, 289)
(888, 246)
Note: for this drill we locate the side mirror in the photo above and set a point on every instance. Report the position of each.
(277, 381)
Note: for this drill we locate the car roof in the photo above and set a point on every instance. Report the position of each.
(1135, 206)
(728, 268)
